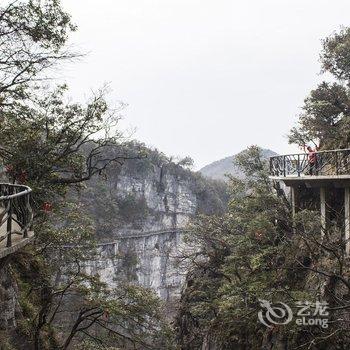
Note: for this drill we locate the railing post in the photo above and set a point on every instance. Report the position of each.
(26, 215)
(284, 166)
(298, 165)
(9, 225)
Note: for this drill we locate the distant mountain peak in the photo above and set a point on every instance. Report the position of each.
(219, 168)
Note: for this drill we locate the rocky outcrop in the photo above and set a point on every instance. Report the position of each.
(9, 306)
(141, 211)
(151, 261)
(169, 201)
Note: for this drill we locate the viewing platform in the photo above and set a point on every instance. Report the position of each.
(16, 218)
(329, 168)
(318, 181)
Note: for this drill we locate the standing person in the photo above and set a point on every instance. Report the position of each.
(312, 158)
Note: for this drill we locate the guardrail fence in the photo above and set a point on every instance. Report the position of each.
(323, 163)
(16, 214)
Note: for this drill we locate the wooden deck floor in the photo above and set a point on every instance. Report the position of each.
(18, 241)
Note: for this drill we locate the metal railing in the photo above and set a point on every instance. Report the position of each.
(16, 215)
(322, 163)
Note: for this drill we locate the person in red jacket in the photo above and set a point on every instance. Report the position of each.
(312, 158)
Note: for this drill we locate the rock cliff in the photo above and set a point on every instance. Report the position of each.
(141, 211)
(9, 306)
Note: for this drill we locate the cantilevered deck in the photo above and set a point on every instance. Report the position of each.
(326, 173)
(16, 218)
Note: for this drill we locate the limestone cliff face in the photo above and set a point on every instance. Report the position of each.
(168, 200)
(140, 212)
(150, 261)
(9, 306)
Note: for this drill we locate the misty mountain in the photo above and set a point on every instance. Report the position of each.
(218, 169)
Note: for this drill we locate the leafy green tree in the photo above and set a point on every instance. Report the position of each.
(325, 119)
(33, 34)
(257, 252)
(236, 259)
(55, 146)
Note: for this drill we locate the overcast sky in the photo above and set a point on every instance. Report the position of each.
(203, 78)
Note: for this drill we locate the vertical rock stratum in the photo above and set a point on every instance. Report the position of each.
(141, 211)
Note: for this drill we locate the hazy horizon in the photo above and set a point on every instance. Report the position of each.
(203, 78)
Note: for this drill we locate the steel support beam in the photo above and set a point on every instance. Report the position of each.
(294, 196)
(294, 199)
(323, 210)
(347, 220)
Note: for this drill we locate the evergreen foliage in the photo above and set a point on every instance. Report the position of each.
(256, 252)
